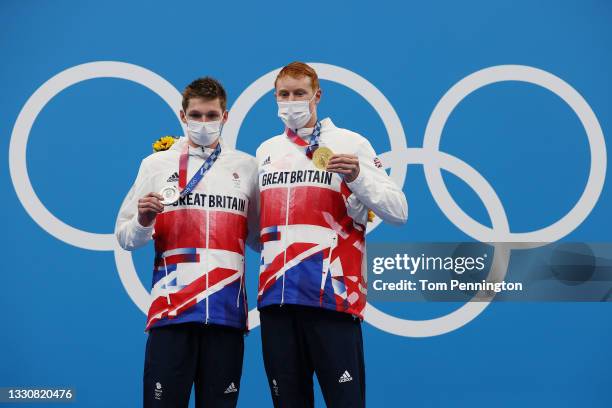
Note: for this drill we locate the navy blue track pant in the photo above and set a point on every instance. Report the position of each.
(299, 341)
(180, 356)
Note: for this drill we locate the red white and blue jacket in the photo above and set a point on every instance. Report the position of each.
(313, 223)
(198, 273)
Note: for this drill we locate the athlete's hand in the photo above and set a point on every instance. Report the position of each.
(346, 164)
(148, 208)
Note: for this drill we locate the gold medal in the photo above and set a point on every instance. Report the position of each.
(321, 157)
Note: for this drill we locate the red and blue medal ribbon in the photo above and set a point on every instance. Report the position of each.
(187, 188)
(313, 142)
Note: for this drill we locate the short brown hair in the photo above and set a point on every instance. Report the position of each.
(206, 88)
(298, 70)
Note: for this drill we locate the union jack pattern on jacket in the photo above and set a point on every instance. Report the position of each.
(313, 224)
(198, 271)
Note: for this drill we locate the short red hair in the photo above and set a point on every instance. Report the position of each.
(298, 69)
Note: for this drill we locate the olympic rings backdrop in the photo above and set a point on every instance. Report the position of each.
(493, 117)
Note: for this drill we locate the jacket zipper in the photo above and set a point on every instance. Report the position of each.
(207, 264)
(331, 249)
(167, 289)
(285, 241)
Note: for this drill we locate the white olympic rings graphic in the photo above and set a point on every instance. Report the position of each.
(397, 159)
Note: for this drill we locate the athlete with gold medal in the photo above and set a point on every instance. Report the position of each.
(317, 184)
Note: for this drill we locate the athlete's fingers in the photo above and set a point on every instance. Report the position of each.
(151, 200)
(343, 166)
(341, 171)
(348, 159)
(150, 206)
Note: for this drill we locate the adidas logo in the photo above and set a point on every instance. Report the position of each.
(173, 178)
(345, 377)
(267, 161)
(230, 389)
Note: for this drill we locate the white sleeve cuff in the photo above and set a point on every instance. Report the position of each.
(140, 230)
(357, 184)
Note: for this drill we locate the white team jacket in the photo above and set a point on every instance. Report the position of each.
(313, 223)
(198, 273)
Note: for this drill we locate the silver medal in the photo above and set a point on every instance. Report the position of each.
(170, 195)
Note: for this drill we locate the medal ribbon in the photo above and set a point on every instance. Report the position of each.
(312, 146)
(188, 188)
(314, 139)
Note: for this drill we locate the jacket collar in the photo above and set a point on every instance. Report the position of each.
(201, 151)
(304, 133)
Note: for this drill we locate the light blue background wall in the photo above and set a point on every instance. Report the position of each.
(65, 316)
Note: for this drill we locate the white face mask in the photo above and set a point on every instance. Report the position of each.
(295, 114)
(204, 133)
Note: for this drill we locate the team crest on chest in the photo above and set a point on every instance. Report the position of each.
(236, 179)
